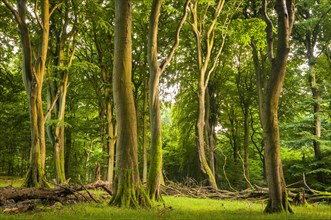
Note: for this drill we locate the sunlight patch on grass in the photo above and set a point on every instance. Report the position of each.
(13, 181)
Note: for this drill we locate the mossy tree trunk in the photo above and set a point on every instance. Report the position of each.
(277, 188)
(127, 188)
(33, 76)
(155, 169)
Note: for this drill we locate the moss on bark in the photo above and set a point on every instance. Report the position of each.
(129, 194)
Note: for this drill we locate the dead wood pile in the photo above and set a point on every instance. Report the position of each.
(297, 196)
(14, 200)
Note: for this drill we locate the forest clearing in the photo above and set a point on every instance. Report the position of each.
(183, 208)
(179, 202)
(172, 207)
(165, 109)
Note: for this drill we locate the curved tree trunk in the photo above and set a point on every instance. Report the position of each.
(127, 188)
(201, 143)
(205, 71)
(274, 171)
(155, 170)
(33, 75)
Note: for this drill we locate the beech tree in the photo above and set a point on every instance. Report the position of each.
(208, 50)
(33, 75)
(127, 188)
(58, 82)
(310, 32)
(156, 70)
(278, 60)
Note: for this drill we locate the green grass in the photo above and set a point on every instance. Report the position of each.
(8, 180)
(183, 208)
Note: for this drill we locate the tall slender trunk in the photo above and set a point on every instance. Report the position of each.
(112, 133)
(246, 143)
(60, 88)
(62, 60)
(155, 170)
(204, 60)
(310, 39)
(145, 131)
(316, 94)
(209, 133)
(274, 171)
(68, 144)
(260, 71)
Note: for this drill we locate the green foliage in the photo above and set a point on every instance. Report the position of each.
(244, 31)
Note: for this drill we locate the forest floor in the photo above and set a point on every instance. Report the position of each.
(174, 207)
(181, 208)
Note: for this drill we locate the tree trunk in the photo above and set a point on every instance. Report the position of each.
(145, 166)
(274, 171)
(111, 132)
(59, 112)
(155, 169)
(316, 95)
(33, 75)
(246, 142)
(310, 39)
(210, 130)
(59, 85)
(68, 144)
(201, 143)
(205, 71)
(127, 188)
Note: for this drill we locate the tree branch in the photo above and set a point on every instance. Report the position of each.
(48, 113)
(35, 14)
(167, 60)
(56, 7)
(270, 37)
(14, 12)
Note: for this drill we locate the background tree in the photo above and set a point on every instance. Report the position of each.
(62, 48)
(310, 31)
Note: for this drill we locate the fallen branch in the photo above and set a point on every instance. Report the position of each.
(11, 197)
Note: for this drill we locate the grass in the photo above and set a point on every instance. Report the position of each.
(183, 208)
(8, 180)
